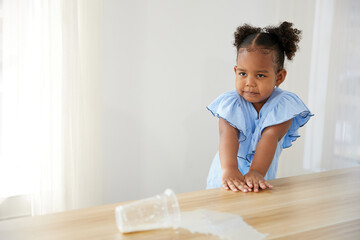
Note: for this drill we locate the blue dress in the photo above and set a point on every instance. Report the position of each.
(241, 114)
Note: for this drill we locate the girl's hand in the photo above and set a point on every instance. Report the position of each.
(234, 180)
(255, 180)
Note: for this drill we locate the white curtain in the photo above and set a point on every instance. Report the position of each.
(333, 135)
(51, 134)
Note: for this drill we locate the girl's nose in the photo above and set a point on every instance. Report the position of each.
(250, 81)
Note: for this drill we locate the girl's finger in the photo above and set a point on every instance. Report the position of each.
(262, 185)
(244, 188)
(268, 185)
(256, 187)
(225, 185)
(238, 185)
(232, 186)
(247, 187)
(249, 183)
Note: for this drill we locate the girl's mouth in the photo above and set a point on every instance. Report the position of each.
(250, 93)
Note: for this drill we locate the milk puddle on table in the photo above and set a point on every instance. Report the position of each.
(224, 225)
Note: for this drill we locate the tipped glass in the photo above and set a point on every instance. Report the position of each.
(160, 211)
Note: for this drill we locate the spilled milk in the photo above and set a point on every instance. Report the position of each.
(224, 225)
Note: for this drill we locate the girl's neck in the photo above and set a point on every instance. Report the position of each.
(258, 106)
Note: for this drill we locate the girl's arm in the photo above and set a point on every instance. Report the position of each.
(228, 149)
(264, 155)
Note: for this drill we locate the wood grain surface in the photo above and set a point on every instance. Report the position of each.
(323, 205)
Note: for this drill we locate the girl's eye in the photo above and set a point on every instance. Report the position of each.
(242, 74)
(261, 75)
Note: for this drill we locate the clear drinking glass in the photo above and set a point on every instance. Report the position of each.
(160, 211)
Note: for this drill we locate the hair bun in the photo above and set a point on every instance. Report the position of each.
(242, 32)
(288, 37)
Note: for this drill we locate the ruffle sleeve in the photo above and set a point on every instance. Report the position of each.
(229, 107)
(283, 107)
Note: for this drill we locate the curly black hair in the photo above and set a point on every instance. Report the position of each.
(283, 39)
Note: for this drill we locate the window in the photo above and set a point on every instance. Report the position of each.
(346, 135)
(333, 135)
(51, 74)
(1, 71)
(12, 204)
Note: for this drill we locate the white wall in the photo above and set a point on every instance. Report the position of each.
(164, 62)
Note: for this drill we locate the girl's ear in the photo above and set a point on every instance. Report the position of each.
(280, 77)
(235, 69)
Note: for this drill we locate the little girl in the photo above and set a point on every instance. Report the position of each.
(258, 119)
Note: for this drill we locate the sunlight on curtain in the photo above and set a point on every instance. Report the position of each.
(81, 101)
(51, 146)
(31, 94)
(346, 136)
(333, 137)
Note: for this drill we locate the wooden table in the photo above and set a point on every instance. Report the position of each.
(324, 205)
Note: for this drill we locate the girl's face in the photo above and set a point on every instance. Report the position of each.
(257, 76)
